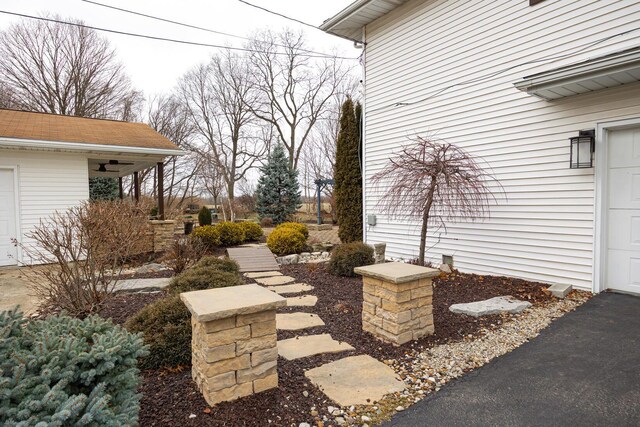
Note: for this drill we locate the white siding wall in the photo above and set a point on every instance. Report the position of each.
(544, 230)
(47, 182)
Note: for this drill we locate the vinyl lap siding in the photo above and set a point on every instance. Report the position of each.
(543, 229)
(47, 182)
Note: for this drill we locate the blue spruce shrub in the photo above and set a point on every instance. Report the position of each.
(63, 371)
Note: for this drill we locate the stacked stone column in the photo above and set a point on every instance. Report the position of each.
(163, 234)
(234, 344)
(397, 301)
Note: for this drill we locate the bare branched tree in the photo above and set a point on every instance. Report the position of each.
(217, 96)
(6, 97)
(292, 90)
(64, 69)
(434, 181)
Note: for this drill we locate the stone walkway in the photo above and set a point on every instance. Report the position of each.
(335, 379)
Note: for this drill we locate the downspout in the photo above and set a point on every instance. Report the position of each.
(363, 133)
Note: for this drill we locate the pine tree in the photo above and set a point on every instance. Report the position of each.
(348, 177)
(103, 188)
(278, 194)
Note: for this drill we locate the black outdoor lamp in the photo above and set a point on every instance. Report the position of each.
(582, 148)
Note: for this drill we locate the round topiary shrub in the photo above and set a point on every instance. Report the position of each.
(230, 233)
(252, 231)
(285, 241)
(166, 328)
(298, 226)
(346, 257)
(204, 216)
(222, 264)
(197, 279)
(209, 235)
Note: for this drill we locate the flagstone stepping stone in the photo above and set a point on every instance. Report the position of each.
(140, 284)
(262, 274)
(355, 380)
(296, 288)
(310, 345)
(275, 280)
(297, 321)
(495, 305)
(302, 301)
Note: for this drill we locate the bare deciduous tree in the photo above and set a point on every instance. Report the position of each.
(434, 181)
(217, 96)
(64, 69)
(292, 90)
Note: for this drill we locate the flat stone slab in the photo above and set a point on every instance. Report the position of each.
(302, 301)
(140, 284)
(275, 280)
(396, 272)
(297, 321)
(356, 380)
(310, 345)
(504, 304)
(262, 274)
(560, 290)
(220, 303)
(296, 288)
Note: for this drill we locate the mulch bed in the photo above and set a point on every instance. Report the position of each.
(169, 397)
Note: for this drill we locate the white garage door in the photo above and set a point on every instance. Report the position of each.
(7, 217)
(623, 253)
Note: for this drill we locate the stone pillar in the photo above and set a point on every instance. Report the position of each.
(379, 252)
(397, 301)
(163, 234)
(234, 344)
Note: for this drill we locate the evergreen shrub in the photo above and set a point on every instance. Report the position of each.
(63, 371)
(346, 257)
(285, 241)
(252, 231)
(209, 235)
(230, 233)
(204, 216)
(197, 279)
(298, 226)
(222, 264)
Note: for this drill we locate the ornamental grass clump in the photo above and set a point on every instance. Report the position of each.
(346, 257)
(63, 371)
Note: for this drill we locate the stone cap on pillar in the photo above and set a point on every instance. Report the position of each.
(396, 272)
(220, 303)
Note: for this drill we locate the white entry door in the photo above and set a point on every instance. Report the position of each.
(623, 251)
(7, 217)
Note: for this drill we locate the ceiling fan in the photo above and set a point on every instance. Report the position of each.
(103, 166)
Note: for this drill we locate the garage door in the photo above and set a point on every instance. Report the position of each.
(7, 217)
(623, 252)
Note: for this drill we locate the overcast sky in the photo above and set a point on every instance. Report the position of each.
(155, 66)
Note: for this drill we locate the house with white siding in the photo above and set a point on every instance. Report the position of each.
(515, 82)
(46, 161)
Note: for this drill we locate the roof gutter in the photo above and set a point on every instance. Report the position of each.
(85, 147)
(341, 16)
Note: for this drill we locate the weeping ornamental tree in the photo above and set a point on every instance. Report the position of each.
(278, 194)
(434, 181)
(348, 178)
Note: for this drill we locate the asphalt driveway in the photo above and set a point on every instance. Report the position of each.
(584, 370)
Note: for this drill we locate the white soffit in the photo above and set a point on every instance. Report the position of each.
(603, 72)
(348, 23)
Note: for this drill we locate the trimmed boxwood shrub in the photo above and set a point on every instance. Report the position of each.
(63, 371)
(298, 226)
(197, 279)
(204, 216)
(209, 235)
(166, 328)
(285, 241)
(222, 264)
(230, 233)
(252, 231)
(346, 257)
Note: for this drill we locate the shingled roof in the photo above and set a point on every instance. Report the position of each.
(54, 127)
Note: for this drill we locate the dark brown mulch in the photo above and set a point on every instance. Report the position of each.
(124, 305)
(169, 398)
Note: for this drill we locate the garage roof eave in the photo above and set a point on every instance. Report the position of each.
(603, 72)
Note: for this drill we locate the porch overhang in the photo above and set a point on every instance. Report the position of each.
(615, 69)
